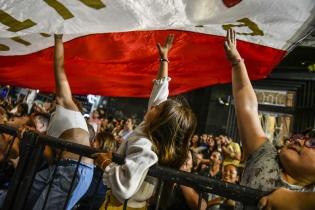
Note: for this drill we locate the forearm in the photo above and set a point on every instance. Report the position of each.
(160, 89)
(305, 200)
(284, 199)
(59, 62)
(61, 82)
(246, 108)
(192, 198)
(215, 201)
(163, 52)
(243, 90)
(163, 70)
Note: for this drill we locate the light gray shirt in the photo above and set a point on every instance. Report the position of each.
(263, 171)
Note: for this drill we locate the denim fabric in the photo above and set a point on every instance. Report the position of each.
(95, 196)
(3, 194)
(60, 185)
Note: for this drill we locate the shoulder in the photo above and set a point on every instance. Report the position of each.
(265, 151)
(262, 169)
(139, 143)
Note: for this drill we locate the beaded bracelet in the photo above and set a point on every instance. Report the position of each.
(105, 162)
(164, 59)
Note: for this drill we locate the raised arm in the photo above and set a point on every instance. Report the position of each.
(63, 91)
(160, 89)
(246, 105)
(163, 52)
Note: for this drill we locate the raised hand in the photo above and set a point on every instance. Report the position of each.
(58, 36)
(163, 50)
(230, 46)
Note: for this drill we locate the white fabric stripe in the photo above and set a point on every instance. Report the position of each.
(279, 20)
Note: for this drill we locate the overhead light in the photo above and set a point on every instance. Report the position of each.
(221, 101)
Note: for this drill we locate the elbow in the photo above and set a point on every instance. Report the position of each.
(122, 189)
(250, 107)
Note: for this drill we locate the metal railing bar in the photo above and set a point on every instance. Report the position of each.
(158, 198)
(233, 191)
(199, 200)
(125, 204)
(76, 148)
(8, 130)
(205, 184)
(13, 194)
(34, 160)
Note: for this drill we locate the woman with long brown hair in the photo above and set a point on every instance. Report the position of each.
(162, 137)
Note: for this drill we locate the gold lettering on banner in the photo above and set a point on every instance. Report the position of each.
(45, 35)
(14, 24)
(60, 9)
(4, 47)
(96, 4)
(245, 22)
(20, 40)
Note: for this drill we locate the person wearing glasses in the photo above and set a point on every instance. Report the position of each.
(293, 168)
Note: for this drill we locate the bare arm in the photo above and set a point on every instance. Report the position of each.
(192, 198)
(216, 201)
(283, 199)
(246, 105)
(160, 89)
(63, 91)
(163, 52)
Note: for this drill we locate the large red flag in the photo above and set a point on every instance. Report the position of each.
(124, 60)
(124, 64)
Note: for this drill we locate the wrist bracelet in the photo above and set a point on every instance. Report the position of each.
(164, 59)
(237, 61)
(105, 162)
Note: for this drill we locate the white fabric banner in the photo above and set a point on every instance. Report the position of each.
(25, 25)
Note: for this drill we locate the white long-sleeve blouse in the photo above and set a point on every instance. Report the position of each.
(130, 180)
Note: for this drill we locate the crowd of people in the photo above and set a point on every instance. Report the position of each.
(165, 136)
(213, 156)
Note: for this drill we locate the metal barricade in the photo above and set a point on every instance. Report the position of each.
(31, 156)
